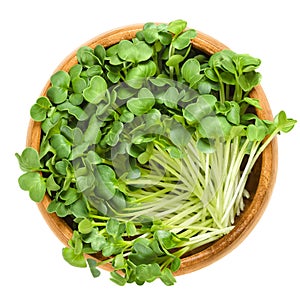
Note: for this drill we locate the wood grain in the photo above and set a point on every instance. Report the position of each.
(260, 184)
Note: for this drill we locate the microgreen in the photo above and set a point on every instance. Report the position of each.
(142, 104)
(74, 257)
(29, 160)
(58, 92)
(33, 183)
(146, 148)
(39, 110)
(135, 52)
(95, 92)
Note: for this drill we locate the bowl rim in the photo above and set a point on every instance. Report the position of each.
(268, 172)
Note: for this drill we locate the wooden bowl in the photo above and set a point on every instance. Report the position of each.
(260, 184)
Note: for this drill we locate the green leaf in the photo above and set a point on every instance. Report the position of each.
(93, 267)
(142, 252)
(126, 50)
(98, 243)
(51, 184)
(228, 78)
(179, 135)
(119, 262)
(222, 60)
(112, 137)
(283, 123)
(27, 180)
(136, 75)
(126, 116)
(206, 146)
(249, 80)
(165, 238)
(61, 167)
(204, 87)
(29, 160)
(73, 110)
(130, 229)
(94, 70)
(79, 209)
(151, 35)
(167, 277)
(79, 150)
(93, 158)
(96, 240)
(100, 52)
(35, 184)
(175, 264)
(96, 90)
(113, 77)
(204, 106)
(70, 196)
(125, 92)
(75, 71)
(252, 101)
(112, 227)
(60, 79)
(115, 61)
(111, 248)
(78, 85)
(237, 131)
(52, 126)
(57, 94)
(92, 133)
(37, 192)
(76, 260)
(76, 243)
(256, 133)
(61, 145)
(134, 52)
(153, 118)
(171, 97)
(223, 107)
(85, 226)
(245, 62)
(211, 74)
(105, 182)
(233, 115)
(58, 207)
(174, 60)
(38, 111)
(142, 104)
(190, 69)
(175, 152)
(84, 182)
(144, 157)
(154, 244)
(148, 272)
(118, 201)
(177, 26)
(85, 56)
(184, 39)
(214, 127)
(117, 278)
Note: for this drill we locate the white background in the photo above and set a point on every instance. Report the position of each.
(36, 36)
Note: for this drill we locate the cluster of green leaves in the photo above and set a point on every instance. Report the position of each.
(142, 145)
(134, 260)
